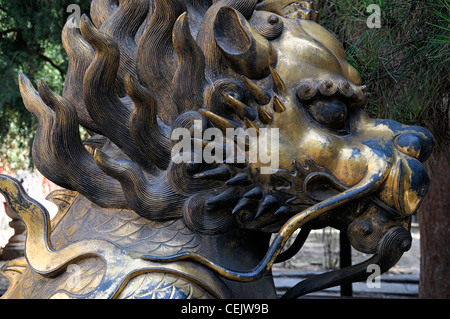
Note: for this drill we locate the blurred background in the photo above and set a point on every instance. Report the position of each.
(405, 64)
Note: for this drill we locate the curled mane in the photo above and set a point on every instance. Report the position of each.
(140, 69)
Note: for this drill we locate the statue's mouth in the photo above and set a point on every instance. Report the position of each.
(396, 214)
(363, 205)
(402, 192)
(387, 198)
(400, 195)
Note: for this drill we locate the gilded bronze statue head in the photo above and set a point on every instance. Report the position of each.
(147, 75)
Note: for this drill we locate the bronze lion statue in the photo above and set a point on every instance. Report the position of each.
(272, 137)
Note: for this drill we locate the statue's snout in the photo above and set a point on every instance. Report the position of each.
(408, 181)
(417, 142)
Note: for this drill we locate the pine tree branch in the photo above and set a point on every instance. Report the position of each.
(56, 66)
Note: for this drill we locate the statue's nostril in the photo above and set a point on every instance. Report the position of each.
(409, 143)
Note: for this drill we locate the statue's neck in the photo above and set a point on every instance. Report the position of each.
(240, 250)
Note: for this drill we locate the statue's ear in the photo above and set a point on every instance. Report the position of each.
(246, 51)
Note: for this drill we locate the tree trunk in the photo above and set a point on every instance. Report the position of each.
(435, 234)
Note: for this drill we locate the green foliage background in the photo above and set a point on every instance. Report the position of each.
(30, 42)
(405, 63)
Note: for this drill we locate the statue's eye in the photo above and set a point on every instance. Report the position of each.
(329, 112)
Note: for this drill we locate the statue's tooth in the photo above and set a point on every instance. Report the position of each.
(240, 108)
(229, 197)
(278, 84)
(264, 116)
(218, 121)
(258, 94)
(278, 105)
(244, 203)
(252, 125)
(269, 200)
(255, 193)
(240, 179)
(282, 210)
(220, 173)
